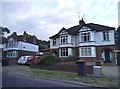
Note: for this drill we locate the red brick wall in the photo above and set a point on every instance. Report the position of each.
(87, 58)
(99, 52)
(63, 67)
(76, 52)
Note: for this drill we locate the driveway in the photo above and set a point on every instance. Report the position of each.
(110, 71)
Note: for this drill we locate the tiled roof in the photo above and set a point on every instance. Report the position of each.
(29, 38)
(74, 30)
(99, 27)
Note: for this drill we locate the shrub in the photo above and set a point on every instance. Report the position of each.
(49, 59)
(71, 58)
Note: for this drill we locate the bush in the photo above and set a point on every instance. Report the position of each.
(71, 58)
(49, 59)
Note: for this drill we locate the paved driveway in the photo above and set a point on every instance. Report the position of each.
(110, 71)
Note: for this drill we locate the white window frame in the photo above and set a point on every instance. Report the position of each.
(106, 36)
(84, 35)
(63, 39)
(87, 52)
(65, 52)
(54, 41)
(12, 54)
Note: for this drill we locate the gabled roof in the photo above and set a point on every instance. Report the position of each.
(28, 38)
(74, 30)
(99, 27)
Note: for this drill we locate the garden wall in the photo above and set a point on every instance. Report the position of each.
(63, 67)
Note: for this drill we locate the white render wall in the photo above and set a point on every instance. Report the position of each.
(99, 38)
(96, 40)
(55, 46)
(1, 46)
(24, 46)
(29, 47)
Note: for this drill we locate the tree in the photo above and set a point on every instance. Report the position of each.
(3, 30)
(118, 45)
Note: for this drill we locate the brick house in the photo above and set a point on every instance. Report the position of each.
(17, 46)
(86, 41)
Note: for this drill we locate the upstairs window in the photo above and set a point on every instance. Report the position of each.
(106, 36)
(11, 44)
(85, 37)
(54, 41)
(63, 39)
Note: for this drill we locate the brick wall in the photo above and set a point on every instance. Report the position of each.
(63, 67)
(99, 52)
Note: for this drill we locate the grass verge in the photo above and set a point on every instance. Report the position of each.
(73, 77)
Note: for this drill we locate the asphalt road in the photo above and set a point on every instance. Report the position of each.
(10, 80)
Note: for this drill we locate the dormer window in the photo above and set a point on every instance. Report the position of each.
(54, 41)
(106, 36)
(84, 37)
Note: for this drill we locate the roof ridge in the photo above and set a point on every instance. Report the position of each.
(100, 25)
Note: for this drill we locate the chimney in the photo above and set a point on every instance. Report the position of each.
(81, 22)
(24, 36)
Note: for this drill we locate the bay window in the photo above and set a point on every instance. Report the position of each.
(87, 52)
(85, 37)
(65, 39)
(65, 52)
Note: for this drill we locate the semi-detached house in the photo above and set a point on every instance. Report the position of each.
(88, 42)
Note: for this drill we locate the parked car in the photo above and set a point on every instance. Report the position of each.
(37, 59)
(25, 60)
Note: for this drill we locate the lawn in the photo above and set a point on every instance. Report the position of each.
(73, 77)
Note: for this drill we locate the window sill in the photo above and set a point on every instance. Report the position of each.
(63, 56)
(64, 43)
(105, 40)
(86, 41)
(87, 56)
(54, 45)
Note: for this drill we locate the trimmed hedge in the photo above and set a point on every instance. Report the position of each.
(49, 59)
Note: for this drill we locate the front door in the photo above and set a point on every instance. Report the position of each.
(107, 55)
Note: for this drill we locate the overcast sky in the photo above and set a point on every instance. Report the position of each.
(44, 18)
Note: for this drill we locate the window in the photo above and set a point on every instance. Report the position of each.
(65, 52)
(106, 35)
(11, 54)
(63, 39)
(85, 51)
(85, 37)
(11, 44)
(54, 41)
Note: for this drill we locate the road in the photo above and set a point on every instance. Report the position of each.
(11, 80)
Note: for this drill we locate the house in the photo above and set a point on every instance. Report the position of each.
(86, 41)
(17, 46)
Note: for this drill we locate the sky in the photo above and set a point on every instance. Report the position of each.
(44, 18)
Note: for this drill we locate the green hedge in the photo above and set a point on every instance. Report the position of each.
(49, 59)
